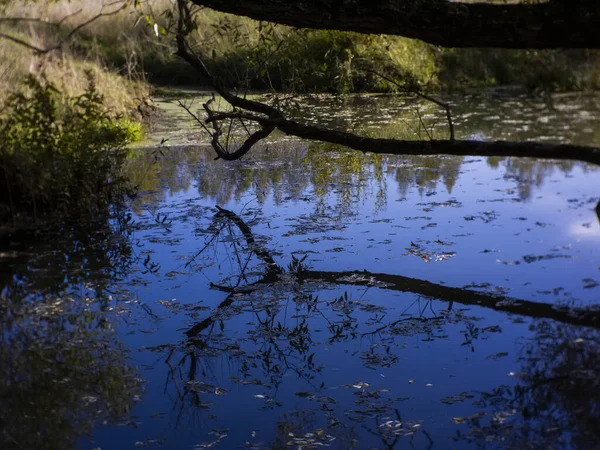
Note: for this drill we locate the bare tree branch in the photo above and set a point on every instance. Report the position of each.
(431, 147)
(17, 20)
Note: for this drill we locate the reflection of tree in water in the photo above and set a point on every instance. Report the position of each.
(69, 257)
(62, 369)
(528, 173)
(291, 313)
(557, 400)
(275, 171)
(163, 171)
(61, 372)
(425, 172)
(284, 172)
(285, 339)
(356, 177)
(333, 179)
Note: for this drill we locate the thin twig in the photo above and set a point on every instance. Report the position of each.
(446, 106)
(423, 125)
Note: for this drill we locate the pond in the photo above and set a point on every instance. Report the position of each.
(309, 296)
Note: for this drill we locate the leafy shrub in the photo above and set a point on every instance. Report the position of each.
(60, 155)
(305, 60)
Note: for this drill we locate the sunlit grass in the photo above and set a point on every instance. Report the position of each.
(66, 67)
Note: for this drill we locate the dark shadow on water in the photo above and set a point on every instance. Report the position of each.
(63, 369)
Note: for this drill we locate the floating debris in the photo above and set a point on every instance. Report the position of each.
(450, 400)
(475, 416)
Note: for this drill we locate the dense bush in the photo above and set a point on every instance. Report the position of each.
(60, 155)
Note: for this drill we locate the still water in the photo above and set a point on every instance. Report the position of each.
(312, 297)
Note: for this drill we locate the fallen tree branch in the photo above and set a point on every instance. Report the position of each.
(439, 147)
(429, 147)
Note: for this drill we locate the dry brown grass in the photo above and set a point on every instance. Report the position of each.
(63, 67)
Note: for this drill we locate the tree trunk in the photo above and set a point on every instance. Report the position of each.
(553, 24)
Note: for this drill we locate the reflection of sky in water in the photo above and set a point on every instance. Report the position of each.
(324, 356)
(485, 232)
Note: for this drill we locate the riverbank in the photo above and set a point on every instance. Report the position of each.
(137, 45)
(118, 58)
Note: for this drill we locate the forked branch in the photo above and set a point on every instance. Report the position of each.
(269, 118)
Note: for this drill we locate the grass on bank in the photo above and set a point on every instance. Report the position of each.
(67, 67)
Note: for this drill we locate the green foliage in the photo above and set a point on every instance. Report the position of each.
(60, 155)
(250, 54)
(132, 130)
(258, 55)
(264, 56)
(535, 70)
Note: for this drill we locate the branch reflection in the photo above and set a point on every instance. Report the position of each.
(279, 322)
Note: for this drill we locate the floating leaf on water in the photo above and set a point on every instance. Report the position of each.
(456, 398)
(396, 428)
(517, 374)
(509, 263)
(204, 388)
(533, 258)
(464, 419)
(211, 444)
(501, 416)
(444, 256)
